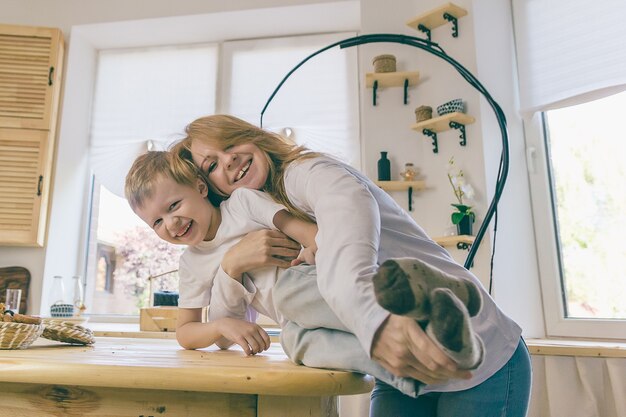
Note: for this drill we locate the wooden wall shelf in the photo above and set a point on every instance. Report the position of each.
(442, 123)
(404, 79)
(448, 121)
(402, 186)
(430, 20)
(460, 241)
(391, 79)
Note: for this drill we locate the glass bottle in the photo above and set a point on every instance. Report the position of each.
(78, 293)
(409, 172)
(57, 292)
(384, 168)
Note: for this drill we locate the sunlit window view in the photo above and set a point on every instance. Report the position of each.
(587, 145)
(129, 254)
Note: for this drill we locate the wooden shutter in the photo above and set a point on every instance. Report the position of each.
(28, 70)
(22, 187)
(30, 75)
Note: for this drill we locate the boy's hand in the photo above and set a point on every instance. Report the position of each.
(250, 336)
(306, 256)
(259, 249)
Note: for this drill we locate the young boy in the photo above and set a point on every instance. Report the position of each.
(172, 198)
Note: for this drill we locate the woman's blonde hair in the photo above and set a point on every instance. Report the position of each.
(223, 131)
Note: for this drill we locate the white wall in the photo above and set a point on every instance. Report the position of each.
(484, 46)
(386, 127)
(516, 269)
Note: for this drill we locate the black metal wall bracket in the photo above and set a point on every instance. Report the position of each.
(455, 24)
(374, 88)
(461, 128)
(410, 198)
(433, 135)
(424, 29)
(406, 91)
(463, 246)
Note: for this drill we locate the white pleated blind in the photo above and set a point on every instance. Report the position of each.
(569, 51)
(147, 95)
(319, 102)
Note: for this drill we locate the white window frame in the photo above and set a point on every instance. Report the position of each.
(557, 325)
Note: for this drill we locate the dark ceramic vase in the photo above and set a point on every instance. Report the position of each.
(384, 168)
(464, 227)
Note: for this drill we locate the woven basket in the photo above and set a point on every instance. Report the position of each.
(423, 113)
(384, 63)
(63, 331)
(18, 335)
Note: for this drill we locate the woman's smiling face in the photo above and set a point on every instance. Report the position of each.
(228, 169)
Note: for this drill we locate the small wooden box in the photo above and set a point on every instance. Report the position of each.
(158, 319)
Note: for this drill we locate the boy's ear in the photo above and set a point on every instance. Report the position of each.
(202, 187)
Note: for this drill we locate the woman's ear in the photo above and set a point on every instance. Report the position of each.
(202, 187)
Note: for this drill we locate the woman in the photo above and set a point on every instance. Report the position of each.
(360, 227)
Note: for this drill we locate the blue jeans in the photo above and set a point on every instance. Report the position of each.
(505, 394)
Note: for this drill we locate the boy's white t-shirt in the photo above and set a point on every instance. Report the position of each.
(203, 282)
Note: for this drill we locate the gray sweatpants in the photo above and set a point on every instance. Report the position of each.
(314, 336)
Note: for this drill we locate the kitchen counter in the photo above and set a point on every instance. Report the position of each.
(150, 377)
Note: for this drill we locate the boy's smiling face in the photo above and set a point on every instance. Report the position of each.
(180, 214)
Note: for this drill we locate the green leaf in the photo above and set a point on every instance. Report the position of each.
(457, 217)
(462, 208)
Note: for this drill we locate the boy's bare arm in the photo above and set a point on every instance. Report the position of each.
(191, 333)
(301, 231)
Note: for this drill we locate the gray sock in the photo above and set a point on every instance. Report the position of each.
(403, 287)
(450, 328)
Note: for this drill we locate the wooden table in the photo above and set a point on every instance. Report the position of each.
(155, 377)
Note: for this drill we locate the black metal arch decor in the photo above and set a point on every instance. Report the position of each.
(435, 49)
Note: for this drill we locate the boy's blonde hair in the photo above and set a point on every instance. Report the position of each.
(153, 166)
(223, 131)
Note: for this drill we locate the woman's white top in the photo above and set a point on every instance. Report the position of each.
(361, 226)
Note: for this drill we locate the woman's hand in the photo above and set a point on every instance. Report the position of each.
(250, 336)
(404, 349)
(258, 249)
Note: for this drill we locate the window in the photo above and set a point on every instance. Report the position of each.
(318, 103)
(145, 97)
(582, 263)
(570, 91)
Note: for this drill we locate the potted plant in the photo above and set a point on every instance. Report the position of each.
(463, 217)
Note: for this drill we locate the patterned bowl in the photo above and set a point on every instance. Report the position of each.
(62, 310)
(451, 106)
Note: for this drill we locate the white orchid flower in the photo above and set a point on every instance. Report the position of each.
(468, 191)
